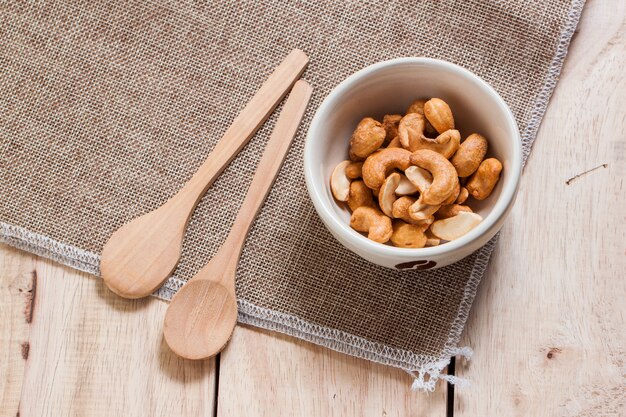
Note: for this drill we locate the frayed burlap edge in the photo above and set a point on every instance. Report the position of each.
(418, 366)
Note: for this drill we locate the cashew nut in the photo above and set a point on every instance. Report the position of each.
(407, 235)
(454, 195)
(431, 240)
(370, 220)
(387, 193)
(454, 227)
(418, 107)
(419, 177)
(354, 157)
(339, 182)
(395, 143)
(470, 154)
(359, 195)
(463, 194)
(377, 166)
(452, 139)
(410, 127)
(400, 209)
(444, 175)
(450, 210)
(411, 134)
(421, 211)
(406, 187)
(438, 113)
(425, 224)
(390, 123)
(482, 182)
(354, 170)
(368, 136)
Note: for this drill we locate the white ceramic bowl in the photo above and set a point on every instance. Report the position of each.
(389, 87)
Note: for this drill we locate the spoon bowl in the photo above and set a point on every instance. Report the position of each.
(202, 320)
(132, 276)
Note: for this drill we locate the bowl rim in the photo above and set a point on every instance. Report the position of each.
(316, 188)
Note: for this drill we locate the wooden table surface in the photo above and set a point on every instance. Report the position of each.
(547, 327)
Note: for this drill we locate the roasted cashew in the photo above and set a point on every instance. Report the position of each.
(463, 194)
(450, 210)
(387, 193)
(390, 124)
(454, 227)
(377, 166)
(419, 177)
(425, 224)
(339, 182)
(421, 211)
(451, 143)
(371, 220)
(354, 170)
(354, 158)
(454, 195)
(407, 235)
(444, 175)
(411, 134)
(400, 209)
(431, 240)
(395, 143)
(411, 131)
(368, 136)
(406, 187)
(360, 195)
(482, 182)
(418, 107)
(438, 113)
(469, 155)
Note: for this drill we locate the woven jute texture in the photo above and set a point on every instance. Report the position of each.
(107, 108)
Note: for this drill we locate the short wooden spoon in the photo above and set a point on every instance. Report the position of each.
(203, 314)
(143, 253)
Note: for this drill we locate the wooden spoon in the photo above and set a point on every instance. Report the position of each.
(143, 253)
(203, 314)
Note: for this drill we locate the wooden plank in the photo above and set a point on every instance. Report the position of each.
(92, 353)
(265, 373)
(17, 286)
(548, 323)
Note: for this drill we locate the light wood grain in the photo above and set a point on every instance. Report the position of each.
(548, 322)
(90, 352)
(143, 253)
(17, 286)
(203, 314)
(265, 373)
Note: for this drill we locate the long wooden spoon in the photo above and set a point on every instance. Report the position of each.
(143, 253)
(203, 314)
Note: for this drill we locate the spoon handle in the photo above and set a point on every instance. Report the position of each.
(269, 165)
(254, 114)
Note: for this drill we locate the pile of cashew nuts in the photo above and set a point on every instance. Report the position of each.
(409, 178)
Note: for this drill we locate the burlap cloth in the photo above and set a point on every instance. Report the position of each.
(107, 108)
